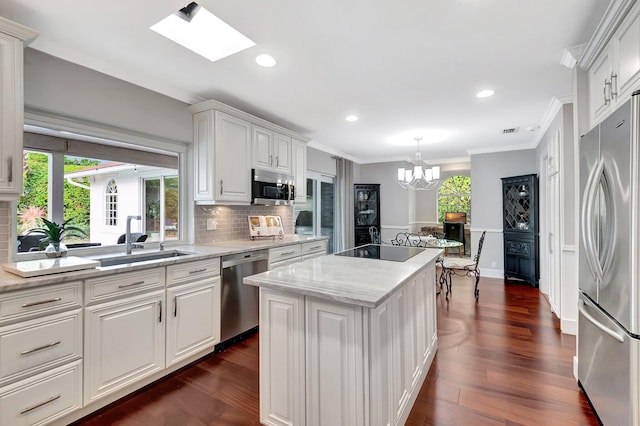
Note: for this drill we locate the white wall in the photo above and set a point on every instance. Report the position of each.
(321, 162)
(486, 202)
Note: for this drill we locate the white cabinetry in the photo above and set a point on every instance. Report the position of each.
(615, 73)
(12, 36)
(193, 317)
(299, 169)
(40, 354)
(283, 256)
(124, 338)
(271, 150)
(282, 360)
(224, 142)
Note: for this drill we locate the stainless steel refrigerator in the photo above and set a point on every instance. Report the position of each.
(609, 303)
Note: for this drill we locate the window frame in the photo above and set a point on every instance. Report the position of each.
(457, 195)
(61, 127)
(111, 204)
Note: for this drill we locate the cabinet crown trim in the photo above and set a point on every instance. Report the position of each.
(14, 29)
(614, 15)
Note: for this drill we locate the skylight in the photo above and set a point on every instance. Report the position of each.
(200, 31)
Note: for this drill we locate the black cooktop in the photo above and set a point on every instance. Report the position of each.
(376, 251)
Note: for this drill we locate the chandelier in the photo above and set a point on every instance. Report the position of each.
(421, 177)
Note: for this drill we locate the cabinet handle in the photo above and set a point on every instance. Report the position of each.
(50, 345)
(160, 314)
(315, 247)
(221, 187)
(287, 253)
(271, 160)
(10, 169)
(131, 285)
(197, 271)
(175, 306)
(278, 161)
(613, 84)
(42, 302)
(33, 407)
(607, 100)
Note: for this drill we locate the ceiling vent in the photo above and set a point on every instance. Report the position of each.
(510, 131)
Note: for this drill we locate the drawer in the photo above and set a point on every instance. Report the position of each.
(26, 304)
(314, 247)
(283, 253)
(98, 290)
(33, 346)
(43, 398)
(190, 271)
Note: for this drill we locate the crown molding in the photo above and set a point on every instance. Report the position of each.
(613, 16)
(550, 114)
(333, 151)
(26, 34)
(500, 148)
(571, 55)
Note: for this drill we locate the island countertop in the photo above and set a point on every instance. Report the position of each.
(352, 280)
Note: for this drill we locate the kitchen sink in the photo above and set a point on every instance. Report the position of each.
(141, 257)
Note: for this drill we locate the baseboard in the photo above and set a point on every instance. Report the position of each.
(569, 326)
(491, 273)
(575, 367)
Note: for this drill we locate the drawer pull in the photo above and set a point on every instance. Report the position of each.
(48, 401)
(197, 271)
(42, 302)
(160, 314)
(315, 247)
(287, 253)
(39, 348)
(131, 285)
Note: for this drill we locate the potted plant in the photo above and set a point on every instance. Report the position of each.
(54, 235)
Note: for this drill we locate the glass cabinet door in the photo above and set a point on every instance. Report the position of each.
(366, 211)
(517, 206)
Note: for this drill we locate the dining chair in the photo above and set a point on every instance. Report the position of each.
(462, 267)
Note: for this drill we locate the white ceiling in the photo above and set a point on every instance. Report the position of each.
(401, 66)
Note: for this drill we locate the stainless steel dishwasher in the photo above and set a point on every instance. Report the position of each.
(240, 303)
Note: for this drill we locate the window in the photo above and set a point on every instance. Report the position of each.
(316, 216)
(111, 204)
(95, 186)
(454, 195)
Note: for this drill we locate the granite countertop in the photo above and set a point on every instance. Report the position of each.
(352, 280)
(10, 282)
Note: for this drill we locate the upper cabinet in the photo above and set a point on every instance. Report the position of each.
(615, 72)
(228, 143)
(12, 40)
(271, 151)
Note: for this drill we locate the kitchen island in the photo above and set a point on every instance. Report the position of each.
(345, 340)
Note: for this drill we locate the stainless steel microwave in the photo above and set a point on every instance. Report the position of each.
(272, 189)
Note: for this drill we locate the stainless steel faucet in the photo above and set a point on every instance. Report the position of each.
(127, 236)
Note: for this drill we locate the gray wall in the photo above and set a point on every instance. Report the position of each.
(321, 162)
(486, 201)
(63, 88)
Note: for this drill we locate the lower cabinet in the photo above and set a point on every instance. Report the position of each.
(193, 319)
(328, 363)
(124, 342)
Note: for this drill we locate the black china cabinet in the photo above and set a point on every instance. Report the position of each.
(366, 211)
(520, 228)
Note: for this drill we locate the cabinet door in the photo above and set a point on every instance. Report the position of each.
(282, 361)
(124, 342)
(626, 41)
(401, 379)
(282, 152)
(11, 117)
(262, 148)
(335, 395)
(193, 319)
(599, 93)
(232, 159)
(203, 133)
(299, 169)
(382, 412)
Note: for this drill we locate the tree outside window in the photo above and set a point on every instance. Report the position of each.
(454, 195)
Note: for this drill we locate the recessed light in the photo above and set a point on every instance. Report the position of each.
(194, 27)
(265, 60)
(485, 93)
(351, 118)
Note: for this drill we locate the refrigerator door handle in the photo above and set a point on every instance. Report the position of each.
(599, 325)
(587, 224)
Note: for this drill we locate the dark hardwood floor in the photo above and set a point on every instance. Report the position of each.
(502, 361)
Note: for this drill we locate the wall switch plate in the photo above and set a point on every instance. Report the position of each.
(494, 265)
(212, 224)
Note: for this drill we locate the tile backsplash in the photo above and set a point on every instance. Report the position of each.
(4, 231)
(231, 221)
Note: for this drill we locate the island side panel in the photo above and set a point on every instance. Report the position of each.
(282, 359)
